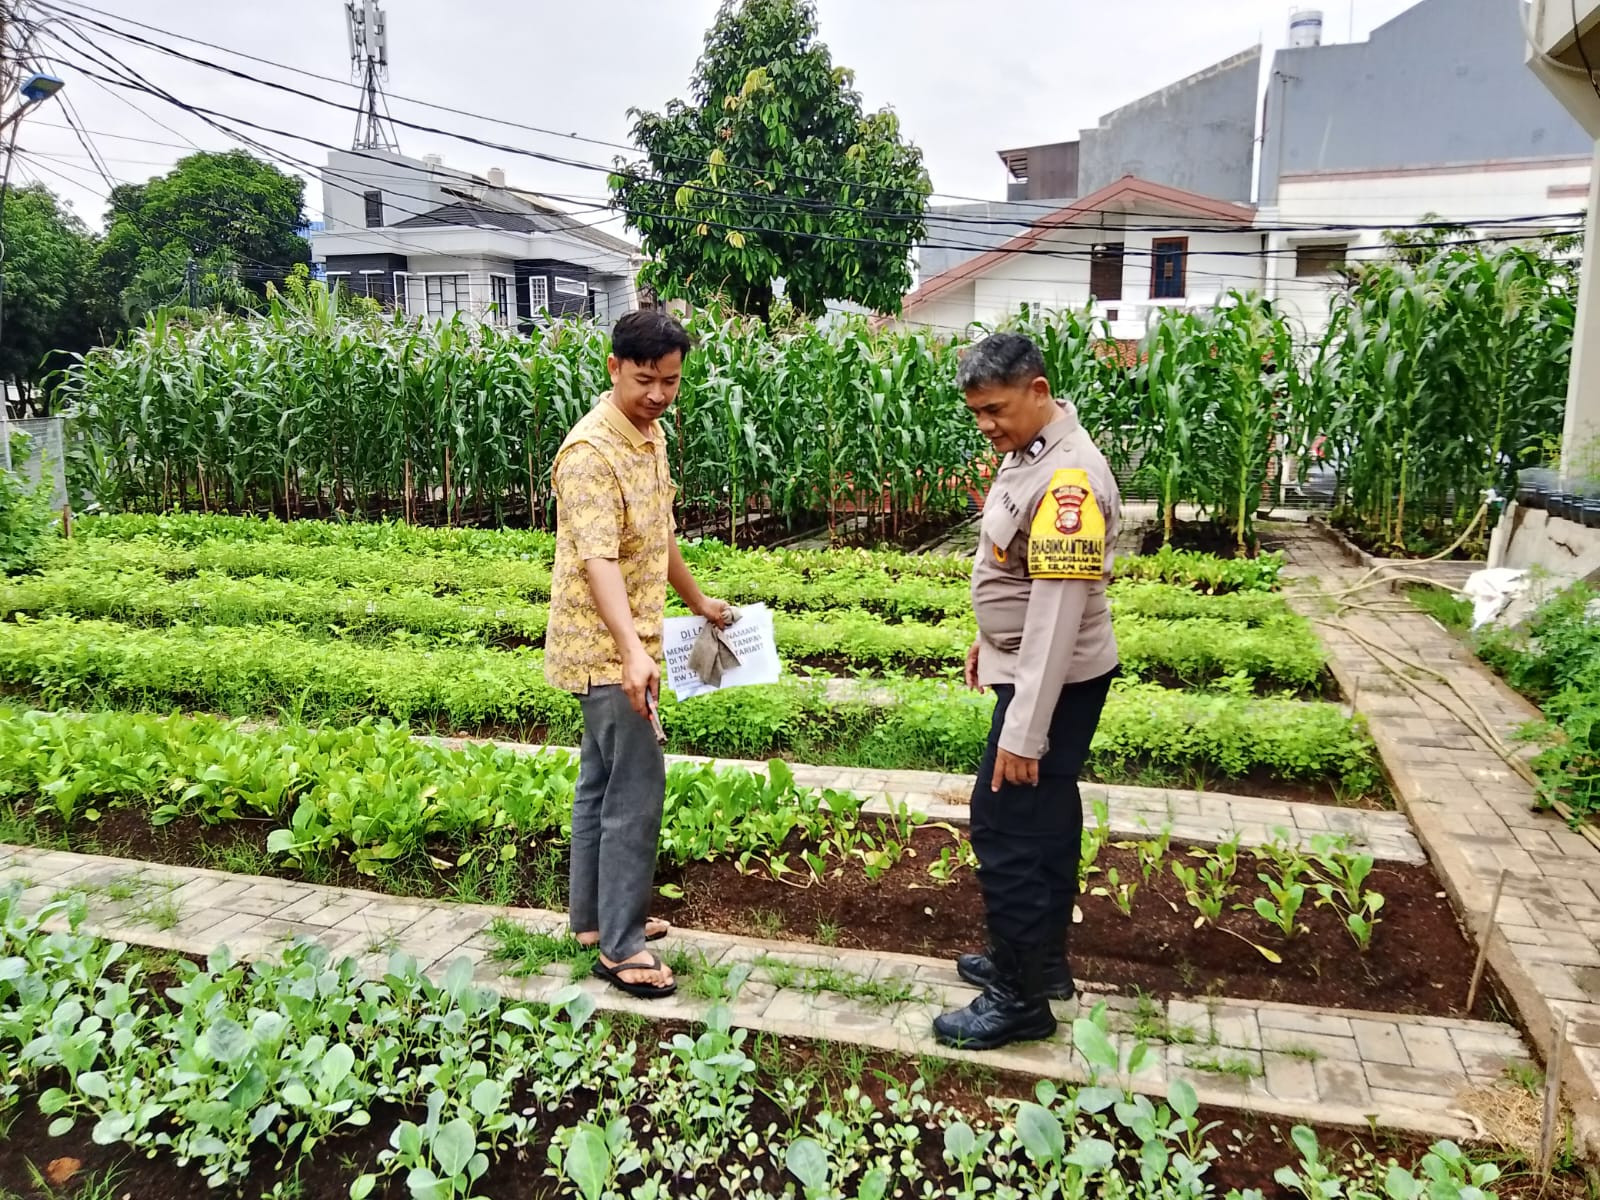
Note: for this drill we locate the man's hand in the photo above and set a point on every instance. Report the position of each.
(972, 668)
(641, 679)
(1010, 768)
(718, 612)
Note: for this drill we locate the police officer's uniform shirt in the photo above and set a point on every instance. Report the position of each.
(1039, 576)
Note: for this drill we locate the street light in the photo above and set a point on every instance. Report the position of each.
(35, 90)
(41, 87)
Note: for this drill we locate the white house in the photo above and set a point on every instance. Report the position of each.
(1128, 249)
(435, 241)
(1500, 201)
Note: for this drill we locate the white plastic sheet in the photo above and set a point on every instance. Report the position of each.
(1491, 591)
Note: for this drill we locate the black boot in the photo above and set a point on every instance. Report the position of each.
(978, 970)
(1013, 1007)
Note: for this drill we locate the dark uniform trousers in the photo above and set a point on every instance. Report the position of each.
(1029, 839)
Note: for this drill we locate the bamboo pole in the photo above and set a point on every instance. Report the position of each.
(1483, 943)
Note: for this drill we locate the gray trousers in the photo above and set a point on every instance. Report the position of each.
(616, 823)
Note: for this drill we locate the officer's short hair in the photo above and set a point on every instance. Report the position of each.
(1000, 360)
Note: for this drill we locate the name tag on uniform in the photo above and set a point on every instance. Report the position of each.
(1068, 536)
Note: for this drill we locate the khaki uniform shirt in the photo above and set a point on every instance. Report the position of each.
(1039, 577)
(614, 496)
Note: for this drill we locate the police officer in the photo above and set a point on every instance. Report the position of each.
(1046, 648)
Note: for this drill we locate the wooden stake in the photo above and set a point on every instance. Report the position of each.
(1483, 943)
(1552, 1100)
(66, 520)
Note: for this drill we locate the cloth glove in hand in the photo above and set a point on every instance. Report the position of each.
(711, 655)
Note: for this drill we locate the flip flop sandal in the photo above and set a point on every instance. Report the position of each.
(648, 936)
(645, 991)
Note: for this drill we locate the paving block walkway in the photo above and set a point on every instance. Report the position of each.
(1474, 814)
(1201, 817)
(1287, 1061)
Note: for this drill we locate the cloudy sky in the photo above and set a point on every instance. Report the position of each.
(967, 77)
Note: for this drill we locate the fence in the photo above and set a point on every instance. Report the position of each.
(32, 446)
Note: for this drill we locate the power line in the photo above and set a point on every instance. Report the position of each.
(801, 203)
(693, 221)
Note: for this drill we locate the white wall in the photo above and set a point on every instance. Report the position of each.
(409, 186)
(1217, 262)
(947, 314)
(1464, 195)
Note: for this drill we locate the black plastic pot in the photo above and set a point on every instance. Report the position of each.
(1591, 513)
(1557, 504)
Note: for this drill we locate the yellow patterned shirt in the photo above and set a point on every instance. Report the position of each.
(613, 500)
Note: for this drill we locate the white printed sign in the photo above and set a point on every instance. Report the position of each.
(750, 637)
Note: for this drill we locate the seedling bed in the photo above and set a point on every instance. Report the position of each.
(1252, 1147)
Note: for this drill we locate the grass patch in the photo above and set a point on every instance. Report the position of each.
(1452, 611)
(524, 952)
(1151, 1024)
(1236, 1066)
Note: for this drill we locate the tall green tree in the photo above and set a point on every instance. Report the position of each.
(52, 299)
(236, 216)
(773, 171)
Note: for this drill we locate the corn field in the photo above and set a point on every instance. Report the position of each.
(307, 410)
(1439, 380)
(1433, 383)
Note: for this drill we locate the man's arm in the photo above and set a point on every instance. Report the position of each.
(641, 677)
(715, 611)
(1049, 636)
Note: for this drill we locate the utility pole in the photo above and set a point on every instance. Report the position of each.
(368, 28)
(191, 277)
(35, 89)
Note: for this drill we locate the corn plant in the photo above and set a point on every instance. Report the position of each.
(1441, 376)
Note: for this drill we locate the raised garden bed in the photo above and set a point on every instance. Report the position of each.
(918, 894)
(544, 1101)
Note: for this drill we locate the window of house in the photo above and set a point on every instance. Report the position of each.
(338, 279)
(602, 306)
(375, 285)
(402, 281)
(571, 287)
(374, 203)
(538, 294)
(500, 295)
(446, 294)
(1105, 272)
(1312, 261)
(1169, 268)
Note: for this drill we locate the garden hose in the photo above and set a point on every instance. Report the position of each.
(1368, 581)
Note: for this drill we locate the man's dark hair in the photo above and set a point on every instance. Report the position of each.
(1000, 360)
(647, 337)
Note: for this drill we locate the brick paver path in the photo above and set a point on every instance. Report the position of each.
(1293, 1062)
(1472, 812)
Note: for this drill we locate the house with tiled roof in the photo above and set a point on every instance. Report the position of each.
(1124, 251)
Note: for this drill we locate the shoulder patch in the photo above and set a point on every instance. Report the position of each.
(1068, 537)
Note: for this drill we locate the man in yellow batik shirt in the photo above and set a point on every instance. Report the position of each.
(616, 551)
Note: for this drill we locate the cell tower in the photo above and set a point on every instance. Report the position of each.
(369, 63)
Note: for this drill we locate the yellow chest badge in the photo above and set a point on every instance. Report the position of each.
(1068, 536)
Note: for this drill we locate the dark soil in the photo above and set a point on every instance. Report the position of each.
(1205, 537)
(1419, 961)
(1252, 1147)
